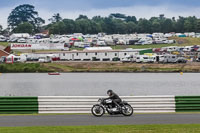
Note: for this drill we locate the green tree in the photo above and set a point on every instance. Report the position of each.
(99, 21)
(109, 26)
(190, 24)
(119, 26)
(69, 26)
(83, 26)
(57, 28)
(118, 15)
(1, 29)
(120, 23)
(167, 26)
(197, 28)
(144, 26)
(131, 19)
(179, 26)
(56, 18)
(131, 27)
(82, 17)
(155, 24)
(24, 13)
(162, 16)
(24, 28)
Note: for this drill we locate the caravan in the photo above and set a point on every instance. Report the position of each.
(174, 59)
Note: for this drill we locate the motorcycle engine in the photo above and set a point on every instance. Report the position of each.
(115, 110)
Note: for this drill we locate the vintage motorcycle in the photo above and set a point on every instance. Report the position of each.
(104, 105)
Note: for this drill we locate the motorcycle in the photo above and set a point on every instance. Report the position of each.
(104, 105)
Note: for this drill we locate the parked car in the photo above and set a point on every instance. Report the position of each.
(21, 40)
(3, 39)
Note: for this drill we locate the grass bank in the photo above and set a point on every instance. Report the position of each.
(120, 67)
(20, 68)
(97, 67)
(192, 128)
(5, 44)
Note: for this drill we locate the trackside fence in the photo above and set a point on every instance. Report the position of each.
(187, 103)
(83, 104)
(18, 105)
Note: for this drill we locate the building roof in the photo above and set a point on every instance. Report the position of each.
(90, 51)
(4, 52)
(2, 47)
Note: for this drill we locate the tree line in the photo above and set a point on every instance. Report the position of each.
(122, 24)
(24, 18)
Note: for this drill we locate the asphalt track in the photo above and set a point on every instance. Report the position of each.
(74, 120)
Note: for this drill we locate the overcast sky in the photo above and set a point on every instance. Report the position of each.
(72, 8)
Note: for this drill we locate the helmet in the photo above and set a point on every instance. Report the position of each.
(109, 92)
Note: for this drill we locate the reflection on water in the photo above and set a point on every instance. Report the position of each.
(96, 84)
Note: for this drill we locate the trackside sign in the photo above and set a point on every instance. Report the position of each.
(21, 46)
(17, 46)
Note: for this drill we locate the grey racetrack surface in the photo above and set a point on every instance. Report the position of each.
(72, 120)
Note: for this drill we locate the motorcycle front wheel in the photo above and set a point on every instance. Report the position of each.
(97, 110)
(127, 110)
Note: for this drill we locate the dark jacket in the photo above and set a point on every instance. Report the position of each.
(114, 96)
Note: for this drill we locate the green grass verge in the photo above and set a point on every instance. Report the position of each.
(23, 67)
(142, 46)
(5, 44)
(192, 128)
(96, 67)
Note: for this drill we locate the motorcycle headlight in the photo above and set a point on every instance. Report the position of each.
(99, 100)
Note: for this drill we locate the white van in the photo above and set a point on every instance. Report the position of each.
(143, 59)
(160, 58)
(45, 59)
(152, 59)
(129, 58)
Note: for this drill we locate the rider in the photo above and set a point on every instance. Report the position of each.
(114, 97)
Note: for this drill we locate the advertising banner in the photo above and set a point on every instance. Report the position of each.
(42, 46)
